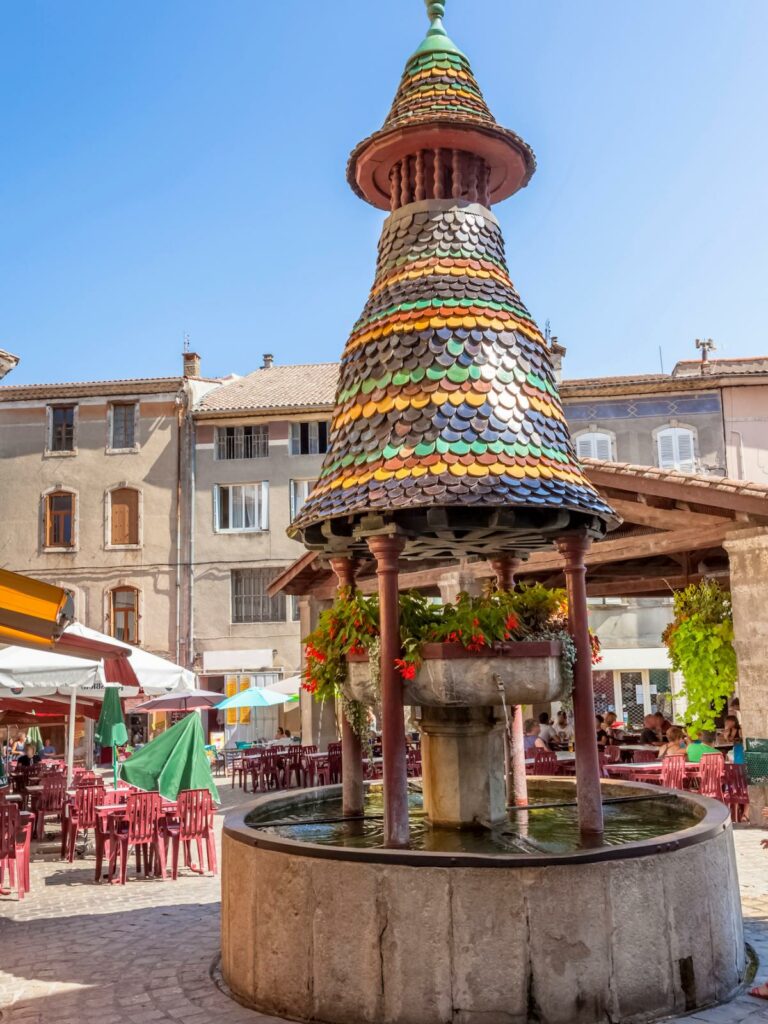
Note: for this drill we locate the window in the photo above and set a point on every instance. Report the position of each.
(241, 507)
(309, 438)
(124, 614)
(294, 609)
(60, 519)
(299, 492)
(676, 448)
(250, 601)
(61, 428)
(242, 442)
(124, 516)
(594, 445)
(123, 426)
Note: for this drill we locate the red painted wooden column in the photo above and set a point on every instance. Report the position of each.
(386, 551)
(353, 793)
(517, 783)
(573, 549)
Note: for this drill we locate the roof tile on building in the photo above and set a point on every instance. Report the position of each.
(73, 389)
(725, 484)
(304, 386)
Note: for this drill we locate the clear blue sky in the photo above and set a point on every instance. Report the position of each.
(178, 167)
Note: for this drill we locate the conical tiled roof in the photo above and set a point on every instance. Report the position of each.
(448, 423)
(438, 89)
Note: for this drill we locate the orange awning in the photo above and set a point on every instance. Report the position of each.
(29, 608)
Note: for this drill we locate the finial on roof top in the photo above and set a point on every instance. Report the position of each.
(437, 38)
(435, 9)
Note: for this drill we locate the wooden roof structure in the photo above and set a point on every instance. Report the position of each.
(675, 526)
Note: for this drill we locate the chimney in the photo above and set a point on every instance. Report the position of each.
(191, 364)
(557, 353)
(268, 359)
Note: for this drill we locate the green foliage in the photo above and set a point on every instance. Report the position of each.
(700, 645)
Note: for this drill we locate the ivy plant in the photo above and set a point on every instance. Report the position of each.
(700, 645)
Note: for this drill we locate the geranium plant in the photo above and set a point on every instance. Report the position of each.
(700, 645)
(530, 612)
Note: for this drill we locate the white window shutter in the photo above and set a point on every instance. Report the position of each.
(584, 447)
(685, 454)
(666, 444)
(292, 489)
(265, 505)
(603, 447)
(216, 507)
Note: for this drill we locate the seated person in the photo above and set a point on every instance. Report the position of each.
(612, 726)
(48, 749)
(29, 757)
(675, 745)
(546, 730)
(602, 735)
(732, 734)
(661, 724)
(531, 739)
(563, 728)
(704, 744)
(649, 735)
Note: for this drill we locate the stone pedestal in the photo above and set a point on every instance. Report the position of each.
(748, 556)
(462, 753)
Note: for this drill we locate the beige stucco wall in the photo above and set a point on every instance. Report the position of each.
(217, 554)
(745, 414)
(92, 569)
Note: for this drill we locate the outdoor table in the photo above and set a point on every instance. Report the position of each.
(563, 756)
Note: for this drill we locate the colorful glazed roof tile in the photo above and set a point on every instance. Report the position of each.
(448, 421)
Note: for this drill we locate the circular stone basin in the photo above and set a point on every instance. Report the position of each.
(525, 923)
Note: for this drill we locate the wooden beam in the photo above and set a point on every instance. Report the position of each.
(643, 514)
(684, 490)
(649, 585)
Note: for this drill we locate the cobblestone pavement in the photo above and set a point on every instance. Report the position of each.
(76, 953)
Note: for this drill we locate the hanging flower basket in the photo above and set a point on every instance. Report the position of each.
(451, 675)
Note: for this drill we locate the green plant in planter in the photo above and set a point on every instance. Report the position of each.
(351, 626)
(700, 645)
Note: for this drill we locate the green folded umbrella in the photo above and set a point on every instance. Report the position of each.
(110, 728)
(33, 736)
(173, 761)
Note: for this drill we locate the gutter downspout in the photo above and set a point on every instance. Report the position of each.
(192, 456)
(180, 403)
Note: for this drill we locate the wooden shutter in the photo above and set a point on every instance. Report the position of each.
(125, 516)
(603, 447)
(245, 713)
(231, 690)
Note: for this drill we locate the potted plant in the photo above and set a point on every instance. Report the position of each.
(454, 654)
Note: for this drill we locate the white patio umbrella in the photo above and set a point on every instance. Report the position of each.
(290, 686)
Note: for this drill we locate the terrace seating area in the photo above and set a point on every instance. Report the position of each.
(38, 806)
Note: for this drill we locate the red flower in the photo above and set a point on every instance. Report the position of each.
(406, 669)
(512, 623)
(476, 643)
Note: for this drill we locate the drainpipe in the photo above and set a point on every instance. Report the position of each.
(191, 433)
(180, 402)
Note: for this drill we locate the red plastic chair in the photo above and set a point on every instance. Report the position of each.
(544, 762)
(736, 790)
(195, 821)
(673, 772)
(80, 816)
(644, 756)
(50, 803)
(141, 828)
(612, 754)
(711, 777)
(14, 849)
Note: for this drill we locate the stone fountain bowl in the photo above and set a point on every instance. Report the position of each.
(346, 935)
(452, 676)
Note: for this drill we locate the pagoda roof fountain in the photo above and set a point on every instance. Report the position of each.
(448, 422)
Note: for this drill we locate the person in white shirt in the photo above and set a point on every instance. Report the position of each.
(563, 728)
(546, 730)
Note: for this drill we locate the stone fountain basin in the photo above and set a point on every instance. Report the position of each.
(452, 676)
(375, 936)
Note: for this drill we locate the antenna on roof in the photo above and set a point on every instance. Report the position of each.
(705, 347)
(186, 343)
(547, 331)
(661, 360)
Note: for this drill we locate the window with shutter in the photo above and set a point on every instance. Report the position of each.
(59, 520)
(594, 445)
(676, 449)
(124, 516)
(124, 614)
(309, 438)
